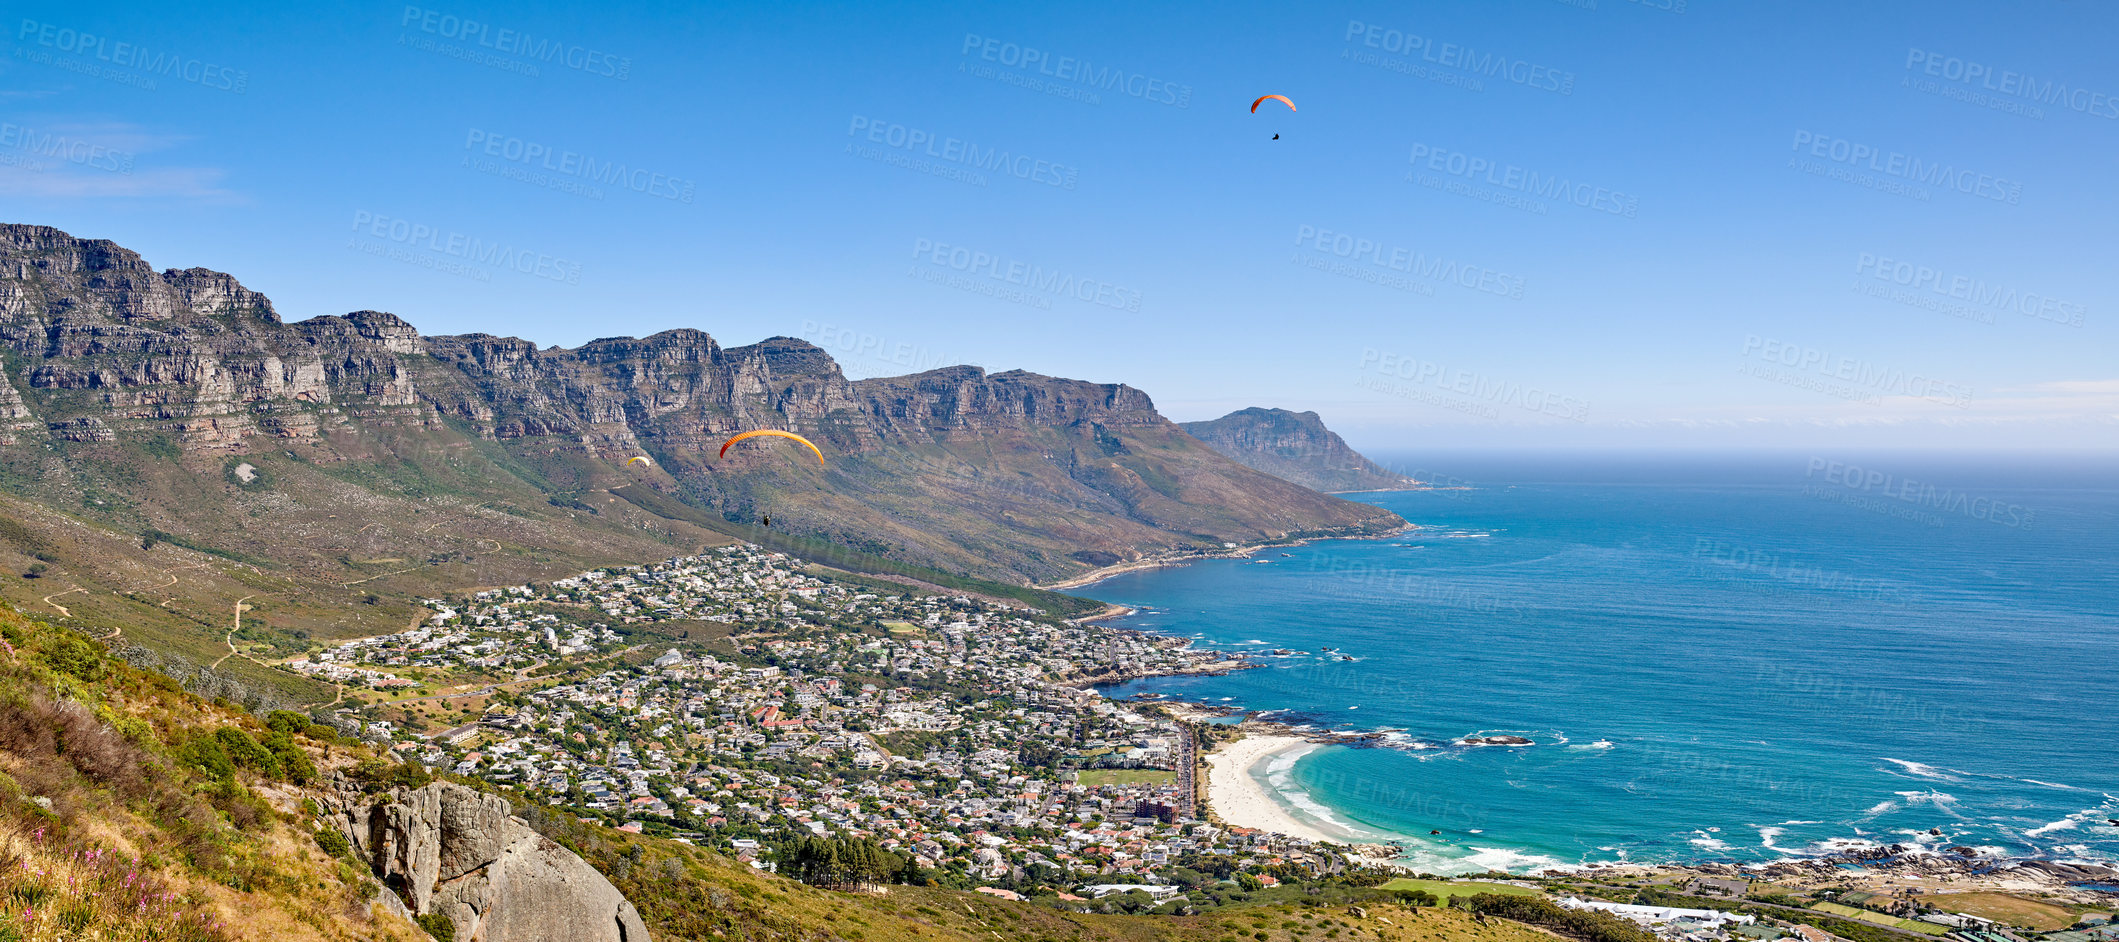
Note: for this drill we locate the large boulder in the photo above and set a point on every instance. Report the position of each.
(447, 849)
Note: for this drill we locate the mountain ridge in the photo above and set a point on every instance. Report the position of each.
(359, 459)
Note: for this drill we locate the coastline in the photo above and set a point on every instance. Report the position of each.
(1110, 611)
(1236, 795)
(1887, 864)
(1238, 798)
(1244, 551)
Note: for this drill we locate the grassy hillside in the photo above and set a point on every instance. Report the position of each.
(131, 809)
(316, 546)
(123, 815)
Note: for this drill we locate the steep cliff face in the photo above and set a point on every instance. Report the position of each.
(1010, 475)
(1295, 446)
(447, 849)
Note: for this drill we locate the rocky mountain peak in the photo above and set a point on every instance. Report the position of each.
(1297, 447)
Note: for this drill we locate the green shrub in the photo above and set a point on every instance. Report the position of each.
(376, 775)
(286, 721)
(246, 753)
(206, 755)
(334, 843)
(294, 763)
(73, 654)
(438, 926)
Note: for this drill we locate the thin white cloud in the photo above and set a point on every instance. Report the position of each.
(59, 158)
(63, 181)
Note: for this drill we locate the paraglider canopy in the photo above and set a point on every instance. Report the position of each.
(776, 433)
(1283, 99)
(643, 459)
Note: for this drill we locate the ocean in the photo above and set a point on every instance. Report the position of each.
(1732, 659)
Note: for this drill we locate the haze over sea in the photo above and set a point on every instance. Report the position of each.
(1738, 659)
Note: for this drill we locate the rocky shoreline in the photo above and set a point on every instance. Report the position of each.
(1898, 869)
(1244, 551)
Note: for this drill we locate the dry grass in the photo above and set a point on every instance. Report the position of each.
(2005, 909)
(58, 889)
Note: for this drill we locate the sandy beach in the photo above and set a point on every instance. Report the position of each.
(1239, 799)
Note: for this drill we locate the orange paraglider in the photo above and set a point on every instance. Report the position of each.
(774, 432)
(1283, 99)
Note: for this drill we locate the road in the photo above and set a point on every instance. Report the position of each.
(1187, 772)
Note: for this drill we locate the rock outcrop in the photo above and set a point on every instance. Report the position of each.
(453, 851)
(1295, 446)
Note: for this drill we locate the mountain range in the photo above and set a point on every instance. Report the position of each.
(152, 421)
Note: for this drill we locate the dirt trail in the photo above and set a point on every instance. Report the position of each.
(229, 640)
(62, 609)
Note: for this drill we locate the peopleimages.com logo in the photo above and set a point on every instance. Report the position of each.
(458, 250)
(569, 165)
(2011, 84)
(1849, 377)
(1935, 289)
(1464, 59)
(508, 42)
(1903, 167)
(131, 56)
(1070, 76)
(1474, 386)
(1509, 177)
(964, 154)
(1852, 482)
(1016, 280)
(72, 150)
(1419, 266)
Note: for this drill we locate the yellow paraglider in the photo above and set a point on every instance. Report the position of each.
(640, 458)
(776, 433)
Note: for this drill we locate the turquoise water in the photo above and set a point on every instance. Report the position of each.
(1734, 660)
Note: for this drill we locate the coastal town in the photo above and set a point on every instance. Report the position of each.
(959, 732)
(741, 699)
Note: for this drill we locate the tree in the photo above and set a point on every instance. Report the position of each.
(840, 863)
(911, 873)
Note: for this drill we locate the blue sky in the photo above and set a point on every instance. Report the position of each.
(1523, 224)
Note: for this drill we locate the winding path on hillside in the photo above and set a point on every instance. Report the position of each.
(386, 575)
(172, 574)
(62, 609)
(229, 640)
